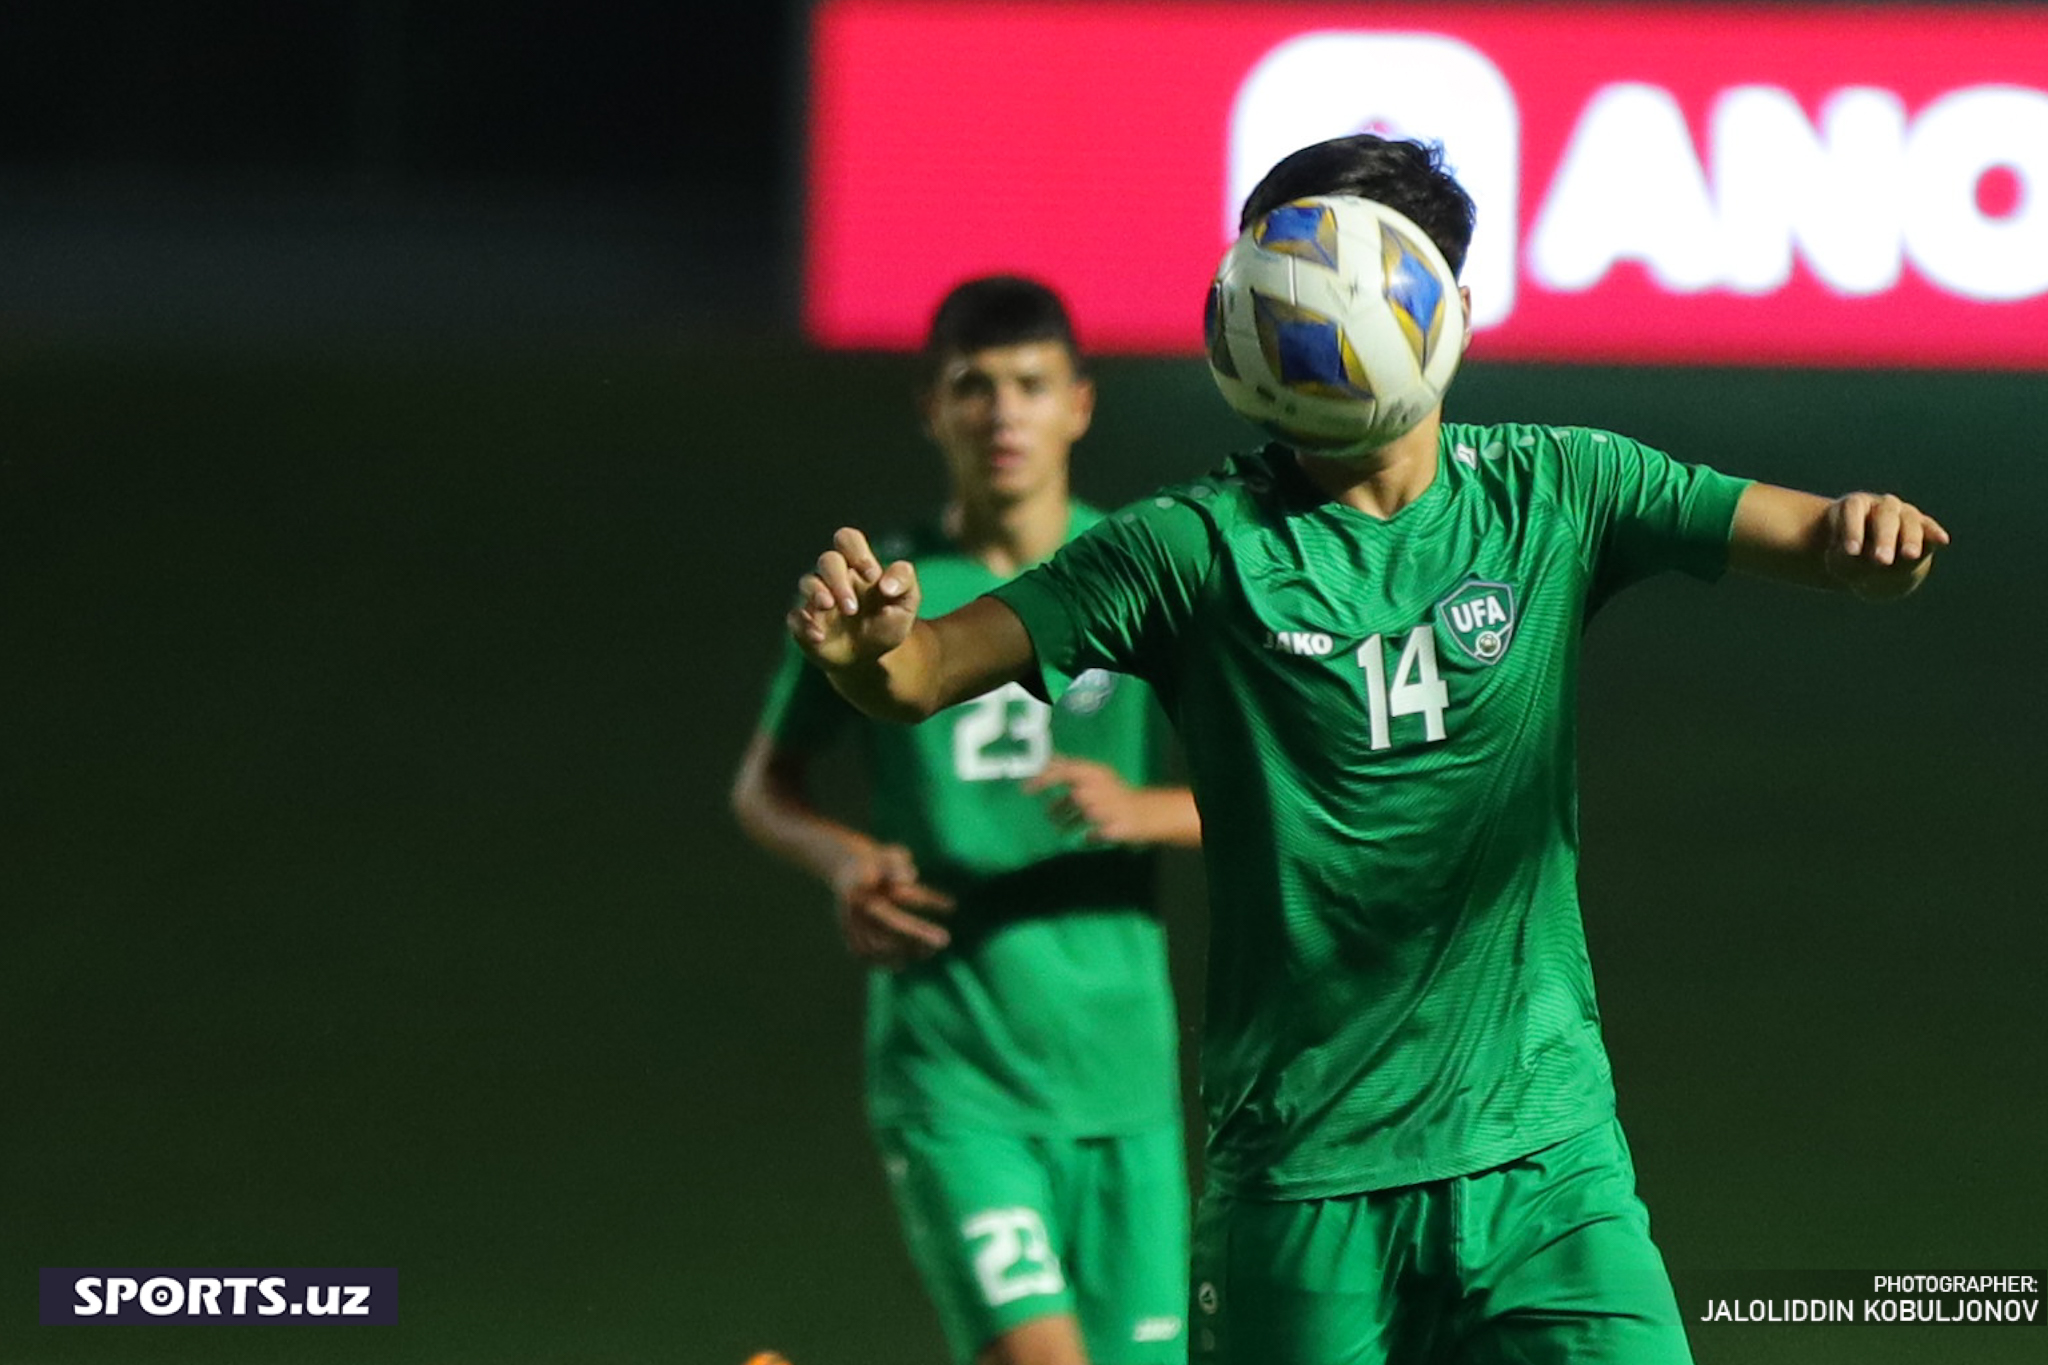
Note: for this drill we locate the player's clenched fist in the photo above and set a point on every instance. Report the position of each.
(1880, 546)
(849, 608)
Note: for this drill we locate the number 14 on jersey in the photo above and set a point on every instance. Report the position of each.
(1417, 688)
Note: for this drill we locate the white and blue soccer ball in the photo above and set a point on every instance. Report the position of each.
(1335, 324)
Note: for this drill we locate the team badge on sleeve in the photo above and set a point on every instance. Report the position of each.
(1089, 692)
(1480, 619)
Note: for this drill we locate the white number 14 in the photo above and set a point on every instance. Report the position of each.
(1417, 690)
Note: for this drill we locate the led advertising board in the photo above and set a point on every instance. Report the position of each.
(1655, 184)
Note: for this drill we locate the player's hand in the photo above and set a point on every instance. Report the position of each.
(883, 908)
(849, 608)
(1093, 797)
(1880, 546)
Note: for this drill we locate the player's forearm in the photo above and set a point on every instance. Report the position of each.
(816, 843)
(1802, 557)
(1171, 817)
(782, 821)
(1873, 546)
(900, 686)
(1781, 534)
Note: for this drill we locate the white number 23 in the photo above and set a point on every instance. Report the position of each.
(1002, 734)
(1015, 1259)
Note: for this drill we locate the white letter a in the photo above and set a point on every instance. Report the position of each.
(1629, 188)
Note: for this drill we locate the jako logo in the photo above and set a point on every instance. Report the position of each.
(1310, 642)
(1856, 191)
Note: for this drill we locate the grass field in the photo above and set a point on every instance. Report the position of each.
(372, 900)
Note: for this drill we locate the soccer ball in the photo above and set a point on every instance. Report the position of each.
(1335, 324)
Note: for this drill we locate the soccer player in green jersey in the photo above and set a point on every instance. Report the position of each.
(1372, 662)
(1021, 1070)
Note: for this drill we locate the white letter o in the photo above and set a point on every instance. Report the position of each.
(1952, 144)
(162, 1295)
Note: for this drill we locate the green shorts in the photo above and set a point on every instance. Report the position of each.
(1006, 1227)
(1543, 1261)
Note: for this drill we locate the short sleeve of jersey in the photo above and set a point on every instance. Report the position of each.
(1116, 597)
(803, 712)
(1640, 512)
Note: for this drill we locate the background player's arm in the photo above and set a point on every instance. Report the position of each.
(1871, 544)
(858, 622)
(880, 903)
(1095, 797)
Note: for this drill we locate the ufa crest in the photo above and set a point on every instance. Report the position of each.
(1479, 617)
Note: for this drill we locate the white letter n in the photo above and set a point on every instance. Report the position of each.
(1832, 192)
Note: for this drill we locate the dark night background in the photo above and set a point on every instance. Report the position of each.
(407, 453)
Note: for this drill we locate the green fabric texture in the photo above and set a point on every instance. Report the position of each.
(1005, 1227)
(1379, 723)
(1544, 1261)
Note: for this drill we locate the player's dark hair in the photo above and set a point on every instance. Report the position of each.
(1408, 177)
(996, 310)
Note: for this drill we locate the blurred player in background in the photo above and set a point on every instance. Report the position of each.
(1021, 1061)
(1372, 661)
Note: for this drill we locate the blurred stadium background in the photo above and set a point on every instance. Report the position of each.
(408, 446)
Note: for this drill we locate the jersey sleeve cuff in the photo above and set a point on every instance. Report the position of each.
(1714, 513)
(1049, 623)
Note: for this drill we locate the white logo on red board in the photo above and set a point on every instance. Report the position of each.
(1858, 191)
(1423, 85)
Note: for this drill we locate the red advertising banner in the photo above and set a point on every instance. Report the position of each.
(1655, 184)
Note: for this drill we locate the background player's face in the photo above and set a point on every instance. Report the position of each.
(1006, 418)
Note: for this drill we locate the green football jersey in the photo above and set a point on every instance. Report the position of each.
(1379, 723)
(1051, 1011)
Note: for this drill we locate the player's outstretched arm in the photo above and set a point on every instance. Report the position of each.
(1872, 544)
(857, 620)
